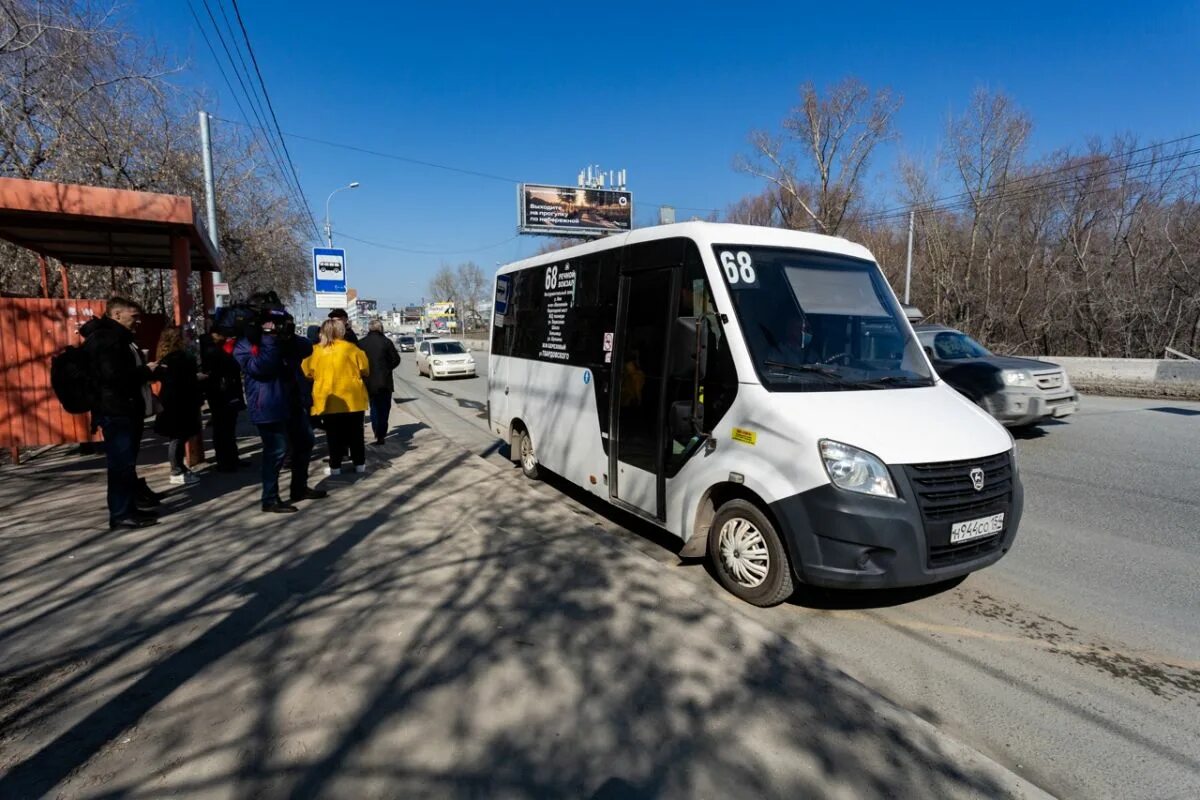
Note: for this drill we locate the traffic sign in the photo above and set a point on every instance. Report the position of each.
(329, 270)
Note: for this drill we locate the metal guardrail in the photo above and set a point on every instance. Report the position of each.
(1171, 352)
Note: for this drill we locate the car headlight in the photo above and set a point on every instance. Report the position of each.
(856, 470)
(1014, 377)
(437, 362)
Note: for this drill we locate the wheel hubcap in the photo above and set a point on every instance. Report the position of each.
(744, 552)
(527, 460)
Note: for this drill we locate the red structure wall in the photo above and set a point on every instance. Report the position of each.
(32, 330)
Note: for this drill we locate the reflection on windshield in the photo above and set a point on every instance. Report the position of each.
(953, 345)
(817, 322)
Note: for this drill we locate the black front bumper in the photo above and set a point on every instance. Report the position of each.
(846, 539)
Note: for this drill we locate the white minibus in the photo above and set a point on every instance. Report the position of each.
(758, 393)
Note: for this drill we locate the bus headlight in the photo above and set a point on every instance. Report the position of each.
(1014, 377)
(856, 470)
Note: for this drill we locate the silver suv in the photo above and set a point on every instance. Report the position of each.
(1016, 391)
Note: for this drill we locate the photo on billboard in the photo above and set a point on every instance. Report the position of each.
(573, 211)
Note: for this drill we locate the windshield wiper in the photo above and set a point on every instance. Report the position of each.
(820, 369)
(891, 380)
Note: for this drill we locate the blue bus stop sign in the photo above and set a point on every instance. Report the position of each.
(329, 270)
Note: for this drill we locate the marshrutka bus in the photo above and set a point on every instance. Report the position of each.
(758, 393)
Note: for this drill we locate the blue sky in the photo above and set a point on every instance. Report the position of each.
(536, 91)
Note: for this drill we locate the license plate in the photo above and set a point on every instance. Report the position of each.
(1062, 411)
(976, 528)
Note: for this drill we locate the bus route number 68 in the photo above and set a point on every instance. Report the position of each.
(739, 269)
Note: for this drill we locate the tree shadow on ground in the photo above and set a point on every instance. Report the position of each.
(437, 631)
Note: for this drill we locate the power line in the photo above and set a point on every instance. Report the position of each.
(434, 165)
(1012, 190)
(272, 151)
(270, 107)
(425, 252)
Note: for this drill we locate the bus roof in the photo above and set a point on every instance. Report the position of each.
(704, 234)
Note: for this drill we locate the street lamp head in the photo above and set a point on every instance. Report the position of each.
(354, 184)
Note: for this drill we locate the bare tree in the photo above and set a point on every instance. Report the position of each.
(820, 159)
(82, 100)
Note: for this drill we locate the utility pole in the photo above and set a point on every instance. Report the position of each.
(908, 264)
(210, 195)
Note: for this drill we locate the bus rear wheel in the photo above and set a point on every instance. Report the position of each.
(528, 460)
(748, 556)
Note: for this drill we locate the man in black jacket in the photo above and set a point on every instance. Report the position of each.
(121, 380)
(340, 313)
(383, 358)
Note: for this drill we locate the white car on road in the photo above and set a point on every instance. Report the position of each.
(442, 358)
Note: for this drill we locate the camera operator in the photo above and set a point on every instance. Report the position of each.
(278, 397)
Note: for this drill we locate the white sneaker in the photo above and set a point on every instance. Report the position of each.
(360, 468)
(184, 479)
(329, 471)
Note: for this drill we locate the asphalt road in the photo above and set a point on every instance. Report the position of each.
(1075, 661)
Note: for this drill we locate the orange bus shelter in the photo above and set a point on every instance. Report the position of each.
(82, 226)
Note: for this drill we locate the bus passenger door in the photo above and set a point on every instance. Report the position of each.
(639, 383)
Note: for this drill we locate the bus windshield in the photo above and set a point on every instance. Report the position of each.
(820, 322)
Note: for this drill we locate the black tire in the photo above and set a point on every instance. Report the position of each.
(770, 589)
(526, 457)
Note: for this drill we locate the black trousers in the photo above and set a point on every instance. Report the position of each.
(224, 434)
(381, 409)
(344, 432)
(122, 443)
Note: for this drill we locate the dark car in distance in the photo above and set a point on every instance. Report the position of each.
(1018, 392)
(406, 343)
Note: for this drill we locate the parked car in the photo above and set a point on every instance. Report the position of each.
(1018, 392)
(443, 358)
(406, 343)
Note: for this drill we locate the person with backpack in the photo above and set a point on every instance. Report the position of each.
(383, 359)
(223, 391)
(277, 397)
(179, 418)
(120, 401)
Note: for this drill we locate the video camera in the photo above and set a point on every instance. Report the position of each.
(246, 319)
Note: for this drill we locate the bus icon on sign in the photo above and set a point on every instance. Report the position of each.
(334, 267)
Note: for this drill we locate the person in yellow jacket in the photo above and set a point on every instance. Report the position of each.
(337, 369)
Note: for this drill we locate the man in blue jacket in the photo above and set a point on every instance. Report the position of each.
(278, 399)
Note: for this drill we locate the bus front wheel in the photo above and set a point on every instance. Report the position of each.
(529, 464)
(748, 556)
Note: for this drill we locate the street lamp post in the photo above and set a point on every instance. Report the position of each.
(328, 227)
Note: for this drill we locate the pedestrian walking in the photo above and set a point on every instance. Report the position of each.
(337, 369)
(224, 393)
(276, 396)
(382, 359)
(179, 394)
(121, 402)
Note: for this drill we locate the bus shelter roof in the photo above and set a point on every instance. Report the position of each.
(94, 226)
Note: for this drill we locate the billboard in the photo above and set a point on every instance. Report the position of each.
(573, 211)
(366, 307)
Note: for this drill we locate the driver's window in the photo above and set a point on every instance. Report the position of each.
(946, 345)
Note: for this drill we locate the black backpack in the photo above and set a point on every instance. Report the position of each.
(71, 379)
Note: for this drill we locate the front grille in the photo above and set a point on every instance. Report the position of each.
(1049, 380)
(946, 494)
(948, 555)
